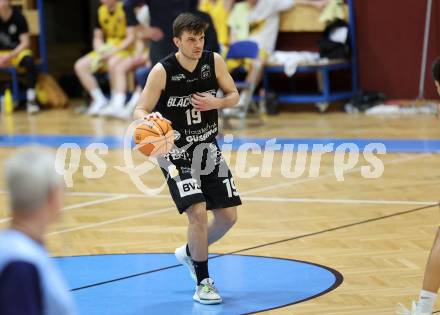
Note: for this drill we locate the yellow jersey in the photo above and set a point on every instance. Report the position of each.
(113, 24)
(219, 16)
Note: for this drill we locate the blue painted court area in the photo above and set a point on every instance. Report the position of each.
(155, 284)
(309, 144)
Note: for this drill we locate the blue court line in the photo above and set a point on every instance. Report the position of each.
(57, 140)
(115, 142)
(248, 284)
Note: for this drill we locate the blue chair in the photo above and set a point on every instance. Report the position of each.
(245, 49)
(242, 50)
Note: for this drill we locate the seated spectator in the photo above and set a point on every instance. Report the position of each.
(140, 58)
(30, 282)
(113, 41)
(162, 13)
(258, 21)
(14, 49)
(219, 12)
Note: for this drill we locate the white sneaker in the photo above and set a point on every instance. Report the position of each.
(402, 310)
(206, 293)
(127, 112)
(185, 260)
(96, 107)
(111, 110)
(32, 108)
(322, 106)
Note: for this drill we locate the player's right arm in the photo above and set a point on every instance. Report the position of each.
(98, 38)
(151, 94)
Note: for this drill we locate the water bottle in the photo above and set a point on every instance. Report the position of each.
(8, 103)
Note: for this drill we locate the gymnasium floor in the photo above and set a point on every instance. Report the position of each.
(306, 245)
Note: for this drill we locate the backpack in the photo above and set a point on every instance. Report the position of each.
(365, 100)
(49, 93)
(331, 49)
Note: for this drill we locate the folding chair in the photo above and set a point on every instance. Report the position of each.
(238, 51)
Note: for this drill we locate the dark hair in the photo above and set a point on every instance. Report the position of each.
(188, 22)
(435, 69)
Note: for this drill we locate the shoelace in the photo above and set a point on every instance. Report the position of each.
(208, 288)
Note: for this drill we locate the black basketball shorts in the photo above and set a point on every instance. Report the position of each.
(189, 186)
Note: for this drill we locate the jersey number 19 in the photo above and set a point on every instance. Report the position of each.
(193, 117)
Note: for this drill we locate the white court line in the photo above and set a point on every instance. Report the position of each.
(343, 201)
(84, 204)
(106, 194)
(173, 208)
(94, 194)
(135, 216)
(95, 202)
(267, 188)
(279, 199)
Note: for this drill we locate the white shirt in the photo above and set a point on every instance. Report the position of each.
(16, 246)
(264, 22)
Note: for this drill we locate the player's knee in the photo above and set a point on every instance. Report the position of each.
(231, 217)
(79, 66)
(197, 214)
(125, 66)
(113, 63)
(228, 218)
(113, 70)
(118, 69)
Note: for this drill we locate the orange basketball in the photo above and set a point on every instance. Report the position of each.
(154, 137)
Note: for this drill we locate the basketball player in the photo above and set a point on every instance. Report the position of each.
(14, 49)
(431, 281)
(29, 280)
(143, 66)
(182, 89)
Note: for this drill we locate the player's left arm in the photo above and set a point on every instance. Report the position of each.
(131, 25)
(24, 44)
(206, 101)
(129, 39)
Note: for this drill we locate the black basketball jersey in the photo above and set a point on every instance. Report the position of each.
(11, 30)
(175, 101)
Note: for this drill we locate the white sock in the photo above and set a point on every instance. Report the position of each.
(244, 98)
(118, 100)
(426, 301)
(98, 96)
(30, 95)
(134, 100)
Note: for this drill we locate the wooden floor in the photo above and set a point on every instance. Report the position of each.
(376, 232)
